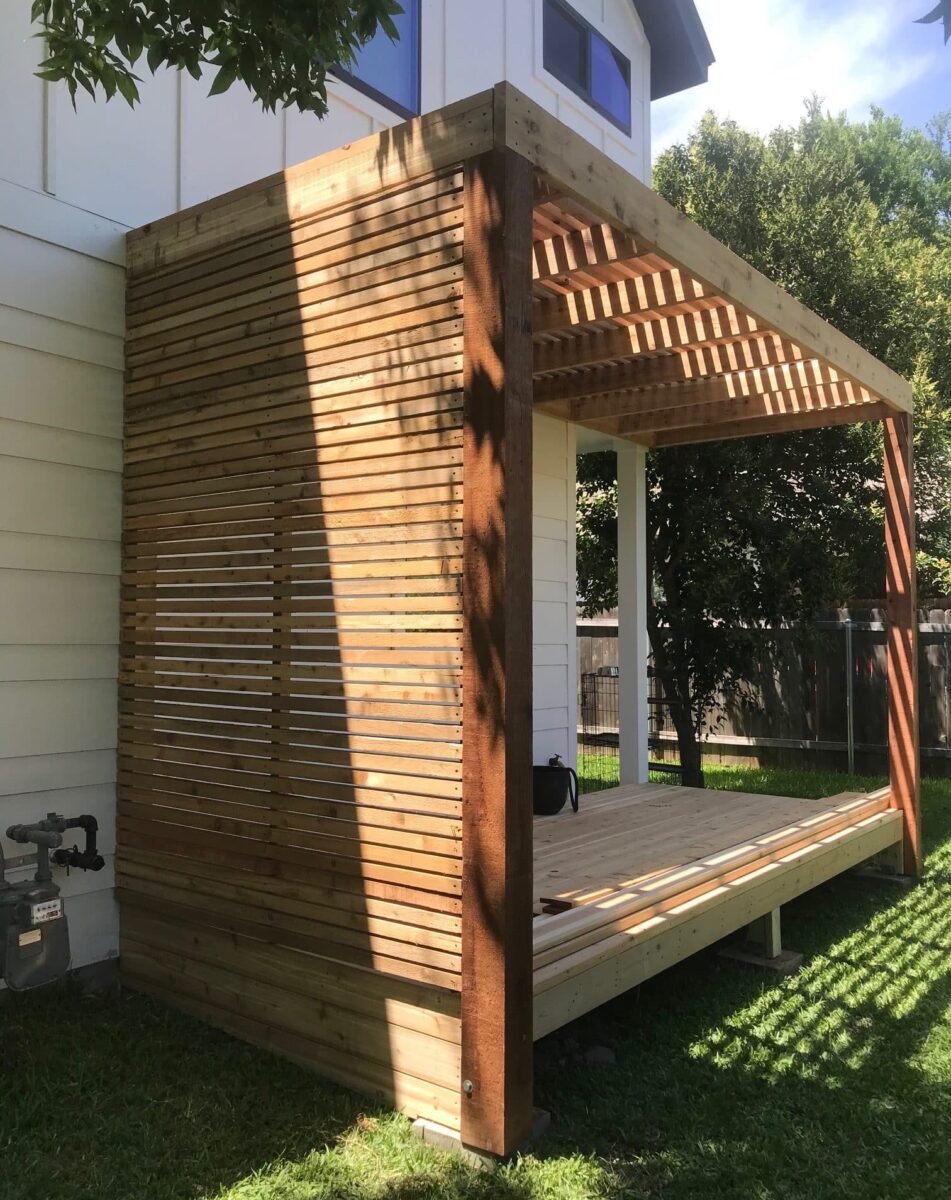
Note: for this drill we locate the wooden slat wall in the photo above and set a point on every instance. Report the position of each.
(290, 769)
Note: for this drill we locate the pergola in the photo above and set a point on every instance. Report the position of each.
(327, 598)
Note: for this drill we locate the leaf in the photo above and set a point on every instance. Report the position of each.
(223, 80)
(156, 55)
(109, 80)
(127, 89)
(83, 79)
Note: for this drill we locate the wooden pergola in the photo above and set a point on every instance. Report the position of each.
(330, 392)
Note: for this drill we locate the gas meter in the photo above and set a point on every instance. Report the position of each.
(34, 938)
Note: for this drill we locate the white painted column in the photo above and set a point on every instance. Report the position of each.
(632, 612)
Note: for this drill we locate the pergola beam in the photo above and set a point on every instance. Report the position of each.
(778, 423)
(759, 392)
(686, 366)
(819, 401)
(580, 250)
(660, 293)
(691, 330)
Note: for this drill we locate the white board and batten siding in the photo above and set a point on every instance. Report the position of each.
(553, 587)
(71, 184)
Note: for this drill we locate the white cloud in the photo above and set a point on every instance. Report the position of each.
(773, 54)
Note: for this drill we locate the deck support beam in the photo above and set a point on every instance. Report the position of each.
(497, 1043)
(901, 605)
(763, 946)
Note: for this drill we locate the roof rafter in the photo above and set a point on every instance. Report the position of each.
(648, 337)
(579, 250)
(660, 293)
(775, 360)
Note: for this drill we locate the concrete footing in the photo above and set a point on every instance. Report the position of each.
(786, 962)
(449, 1140)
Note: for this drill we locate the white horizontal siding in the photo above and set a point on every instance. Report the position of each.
(61, 331)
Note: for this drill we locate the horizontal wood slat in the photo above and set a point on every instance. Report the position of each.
(290, 690)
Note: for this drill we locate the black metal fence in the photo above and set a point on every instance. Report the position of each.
(815, 701)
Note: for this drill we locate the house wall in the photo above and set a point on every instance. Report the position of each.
(553, 574)
(71, 184)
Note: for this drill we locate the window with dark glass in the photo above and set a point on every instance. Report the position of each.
(575, 53)
(388, 71)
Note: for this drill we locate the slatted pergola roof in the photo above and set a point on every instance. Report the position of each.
(647, 328)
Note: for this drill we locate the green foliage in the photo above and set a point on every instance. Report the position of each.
(280, 49)
(853, 219)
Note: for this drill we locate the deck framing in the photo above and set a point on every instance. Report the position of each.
(647, 874)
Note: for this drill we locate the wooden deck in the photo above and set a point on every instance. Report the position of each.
(645, 875)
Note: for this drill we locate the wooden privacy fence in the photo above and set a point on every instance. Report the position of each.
(822, 704)
(290, 753)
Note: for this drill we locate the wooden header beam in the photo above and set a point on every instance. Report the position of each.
(685, 331)
(776, 423)
(387, 159)
(696, 403)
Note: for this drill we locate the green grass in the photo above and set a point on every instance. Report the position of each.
(836, 1083)
(595, 772)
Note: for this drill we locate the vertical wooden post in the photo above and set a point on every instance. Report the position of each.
(497, 655)
(632, 588)
(901, 603)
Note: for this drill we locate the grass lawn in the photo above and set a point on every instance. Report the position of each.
(836, 1083)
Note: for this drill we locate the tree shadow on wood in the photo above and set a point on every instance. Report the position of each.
(291, 812)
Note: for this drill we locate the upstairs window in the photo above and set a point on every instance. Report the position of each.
(576, 54)
(388, 71)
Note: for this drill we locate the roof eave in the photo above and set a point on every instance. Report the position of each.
(680, 51)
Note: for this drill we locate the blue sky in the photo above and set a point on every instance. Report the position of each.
(772, 54)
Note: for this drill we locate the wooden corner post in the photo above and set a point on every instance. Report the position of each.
(901, 603)
(497, 655)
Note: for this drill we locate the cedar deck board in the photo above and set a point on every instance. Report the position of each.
(623, 835)
(635, 858)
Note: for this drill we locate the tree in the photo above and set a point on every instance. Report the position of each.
(854, 220)
(280, 49)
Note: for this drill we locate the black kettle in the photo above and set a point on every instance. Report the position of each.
(552, 786)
